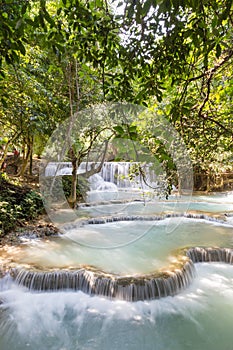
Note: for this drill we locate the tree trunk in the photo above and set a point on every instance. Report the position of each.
(208, 182)
(72, 153)
(2, 160)
(73, 193)
(31, 157)
(93, 170)
(25, 161)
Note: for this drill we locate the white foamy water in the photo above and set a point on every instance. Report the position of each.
(198, 318)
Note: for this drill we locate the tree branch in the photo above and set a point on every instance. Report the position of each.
(94, 170)
(211, 71)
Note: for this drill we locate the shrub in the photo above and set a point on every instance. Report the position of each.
(17, 204)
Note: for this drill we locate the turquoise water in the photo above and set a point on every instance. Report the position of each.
(125, 247)
(200, 317)
(218, 203)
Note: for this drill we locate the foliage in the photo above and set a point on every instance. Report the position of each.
(17, 204)
(59, 57)
(173, 40)
(82, 186)
(12, 31)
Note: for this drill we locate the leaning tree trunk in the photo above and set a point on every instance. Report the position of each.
(4, 156)
(72, 200)
(94, 170)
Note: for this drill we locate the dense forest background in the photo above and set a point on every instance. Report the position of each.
(173, 56)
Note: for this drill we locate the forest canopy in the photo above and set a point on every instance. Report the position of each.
(175, 56)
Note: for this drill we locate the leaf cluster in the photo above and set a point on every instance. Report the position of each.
(17, 204)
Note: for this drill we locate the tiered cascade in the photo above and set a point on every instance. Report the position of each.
(130, 288)
(118, 173)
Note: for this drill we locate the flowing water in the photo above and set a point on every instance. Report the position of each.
(200, 316)
(153, 246)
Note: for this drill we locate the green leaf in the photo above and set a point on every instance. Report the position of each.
(21, 48)
(132, 128)
(98, 3)
(218, 50)
(119, 129)
(24, 8)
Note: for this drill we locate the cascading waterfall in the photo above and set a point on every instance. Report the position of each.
(107, 315)
(116, 173)
(130, 288)
(104, 220)
(198, 254)
(55, 168)
(155, 285)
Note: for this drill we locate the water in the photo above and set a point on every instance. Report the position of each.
(153, 246)
(155, 207)
(199, 317)
(217, 203)
(117, 173)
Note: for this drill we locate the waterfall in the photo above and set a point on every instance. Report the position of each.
(198, 254)
(55, 168)
(103, 220)
(118, 173)
(130, 288)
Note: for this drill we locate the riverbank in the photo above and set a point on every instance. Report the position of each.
(37, 228)
(21, 211)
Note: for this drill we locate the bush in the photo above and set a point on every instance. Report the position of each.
(82, 186)
(17, 204)
(52, 187)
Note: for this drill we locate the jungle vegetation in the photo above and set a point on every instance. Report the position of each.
(60, 57)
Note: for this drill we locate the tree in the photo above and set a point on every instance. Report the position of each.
(34, 103)
(173, 55)
(181, 53)
(12, 31)
(175, 40)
